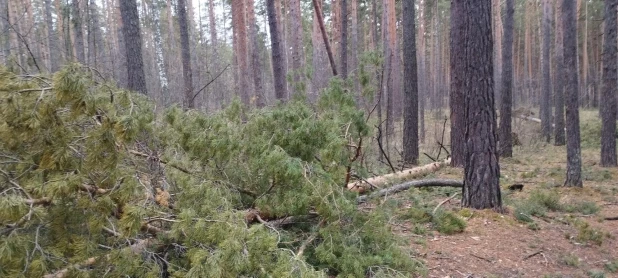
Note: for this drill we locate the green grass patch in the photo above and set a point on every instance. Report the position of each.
(612, 266)
(584, 207)
(448, 223)
(596, 175)
(588, 234)
(569, 260)
(595, 273)
(416, 215)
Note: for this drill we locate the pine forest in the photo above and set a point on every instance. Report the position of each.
(308, 138)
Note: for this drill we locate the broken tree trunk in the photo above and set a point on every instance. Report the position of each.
(411, 184)
(532, 119)
(379, 181)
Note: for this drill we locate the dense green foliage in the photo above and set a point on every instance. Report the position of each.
(92, 181)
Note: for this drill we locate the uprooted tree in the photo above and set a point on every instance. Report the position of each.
(93, 182)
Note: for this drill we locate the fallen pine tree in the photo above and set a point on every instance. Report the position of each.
(411, 184)
(364, 185)
(89, 172)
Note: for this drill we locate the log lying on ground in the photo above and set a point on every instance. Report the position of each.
(411, 184)
(379, 181)
(528, 118)
(532, 119)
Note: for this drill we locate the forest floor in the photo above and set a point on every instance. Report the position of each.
(547, 230)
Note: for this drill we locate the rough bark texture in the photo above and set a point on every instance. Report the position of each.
(608, 103)
(506, 141)
(481, 170)
(239, 25)
(574, 163)
(187, 73)
(546, 90)
(344, 38)
(133, 46)
(410, 86)
(277, 52)
(559, 135)
(78, 32)
(457, 75)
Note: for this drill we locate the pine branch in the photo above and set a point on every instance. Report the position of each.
(411, 184)
(136, 153)
(137, 248)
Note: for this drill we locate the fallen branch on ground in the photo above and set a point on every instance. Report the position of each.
(533, 254)
(411, 184)
(482, 258)
(532, 119)
(444, 202)
(611, 218)
(379, 181)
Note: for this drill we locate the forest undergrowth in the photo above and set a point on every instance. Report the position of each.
(547, 231)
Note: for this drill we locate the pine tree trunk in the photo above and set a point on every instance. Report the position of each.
(344, 39)
(559, 135)
(336, 30)
(410, 125)
(5, 26)
(256, 62)
(187, 73)
(498, 29)
(78, 32)
(52, 39)
(506, 142)
(457, 83)
(546, 94)
(239, 26)
(320, 61)
(390, 42)
(355, 48)
(213, 23)
(481, 170)
(133, 46)
(278, 57)
(574, 164)
(296, 37)
(608, 103)
(423, 80)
